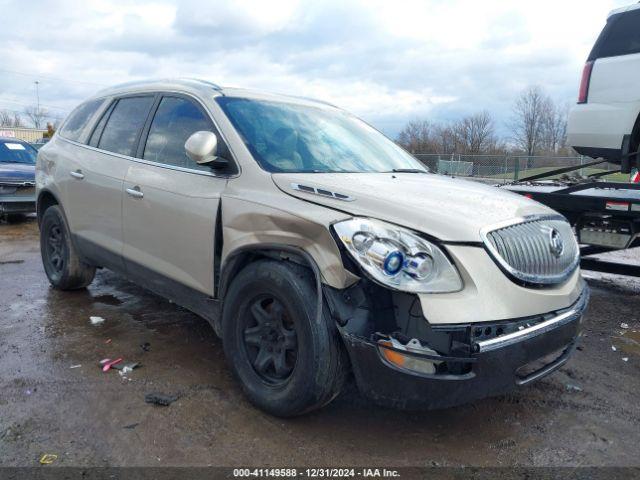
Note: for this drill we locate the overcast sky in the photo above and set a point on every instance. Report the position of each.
(389, 61)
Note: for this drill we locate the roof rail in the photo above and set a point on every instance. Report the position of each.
(135, 83)
(215, 86)
(311, 99)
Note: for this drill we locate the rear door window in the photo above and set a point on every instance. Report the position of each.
(174, 122)
(123, 127)
(73, 127)
(620, 36)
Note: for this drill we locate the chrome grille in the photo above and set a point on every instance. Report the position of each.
(540, 250)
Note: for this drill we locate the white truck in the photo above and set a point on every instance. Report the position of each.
(605, 123)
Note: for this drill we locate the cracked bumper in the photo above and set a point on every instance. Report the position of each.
(494, 367)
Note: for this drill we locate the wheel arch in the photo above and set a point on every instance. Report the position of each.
(45, 200)
(243, 256)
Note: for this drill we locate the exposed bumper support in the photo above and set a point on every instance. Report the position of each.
(498, 366)
(574, 313)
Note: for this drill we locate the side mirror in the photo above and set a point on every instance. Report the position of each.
(201, 147)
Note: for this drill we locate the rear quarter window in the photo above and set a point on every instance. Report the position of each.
(620, 36)
(73, 127)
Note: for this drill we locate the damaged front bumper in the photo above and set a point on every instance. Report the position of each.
(457, 364)
(17, 198)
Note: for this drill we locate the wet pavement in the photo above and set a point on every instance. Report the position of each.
(55, 399)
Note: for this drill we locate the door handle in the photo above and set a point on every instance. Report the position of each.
(77, 174)
(135, 192)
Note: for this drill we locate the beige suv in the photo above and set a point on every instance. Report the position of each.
(315, 246)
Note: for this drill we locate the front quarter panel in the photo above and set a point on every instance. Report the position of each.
(268, 218)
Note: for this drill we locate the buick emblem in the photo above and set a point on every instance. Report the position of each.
(556, 244)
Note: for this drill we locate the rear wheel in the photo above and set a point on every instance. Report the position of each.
(288, 361)
(61, 263)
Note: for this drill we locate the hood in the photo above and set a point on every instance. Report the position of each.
(17, 172)
(446, 208)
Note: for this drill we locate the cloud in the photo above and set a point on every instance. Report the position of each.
(388, 62)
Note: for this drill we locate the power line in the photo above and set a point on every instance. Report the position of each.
(22, 113)
(53, 107)
(51, 77)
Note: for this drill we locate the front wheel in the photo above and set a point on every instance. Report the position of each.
(61, 262)
(288, 361)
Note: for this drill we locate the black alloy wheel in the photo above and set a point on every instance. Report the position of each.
(289, 360)
(62, 264)
(55, 248)
(270, 339)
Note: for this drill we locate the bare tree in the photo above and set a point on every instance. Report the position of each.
(36, 115)
(17, 120)
(446, 139)
(472, 134)
(476, 133)
(528, 113)
(10, 119)
(554, 127)
(417, 137)
(5, 119)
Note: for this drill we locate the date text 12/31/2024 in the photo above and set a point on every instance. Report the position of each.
(316, 472)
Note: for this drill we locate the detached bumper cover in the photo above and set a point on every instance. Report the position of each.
(496, 366)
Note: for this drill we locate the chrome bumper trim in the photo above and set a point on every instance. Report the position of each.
(574, 312)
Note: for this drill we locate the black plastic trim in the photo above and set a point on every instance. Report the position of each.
(611, 154)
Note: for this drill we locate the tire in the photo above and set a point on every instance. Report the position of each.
(61, 263)
(272, 305)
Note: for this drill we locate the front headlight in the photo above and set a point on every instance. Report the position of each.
(397, 257)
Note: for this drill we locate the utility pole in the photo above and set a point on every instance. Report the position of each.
(37, 96)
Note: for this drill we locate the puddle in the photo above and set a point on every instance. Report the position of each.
(628, 342)
(107, 300)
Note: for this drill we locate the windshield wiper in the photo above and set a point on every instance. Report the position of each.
(408, 170)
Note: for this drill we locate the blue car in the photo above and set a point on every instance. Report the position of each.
(17, 178)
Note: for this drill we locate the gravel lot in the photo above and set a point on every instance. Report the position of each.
(585, 414)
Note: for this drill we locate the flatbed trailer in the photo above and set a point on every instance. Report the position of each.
(605, 215)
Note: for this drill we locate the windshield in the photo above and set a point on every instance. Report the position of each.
(285, 137)
(17, 152)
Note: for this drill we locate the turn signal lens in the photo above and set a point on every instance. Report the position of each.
(392, 356)
(406, 362)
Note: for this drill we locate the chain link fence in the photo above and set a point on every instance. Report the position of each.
(507, 168)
